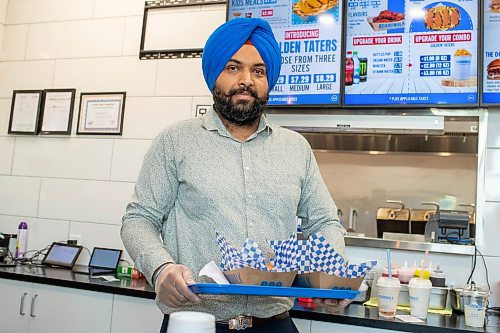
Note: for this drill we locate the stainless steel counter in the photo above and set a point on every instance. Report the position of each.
(410, 246)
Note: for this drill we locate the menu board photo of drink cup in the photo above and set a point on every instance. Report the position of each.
(309, 33)
(411, 52)
(491, 56)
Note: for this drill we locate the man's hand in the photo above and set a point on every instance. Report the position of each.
(333, 305)
(172, 286)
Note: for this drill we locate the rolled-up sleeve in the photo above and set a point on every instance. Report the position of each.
(154, 197)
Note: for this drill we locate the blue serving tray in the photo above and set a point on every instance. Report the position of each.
(239, 289)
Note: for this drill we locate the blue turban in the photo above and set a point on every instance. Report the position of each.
(227, 39)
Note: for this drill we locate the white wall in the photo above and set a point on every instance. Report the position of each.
(3, 12)
(79, 185)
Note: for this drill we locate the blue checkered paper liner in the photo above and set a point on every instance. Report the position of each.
(324, 258)
(304, 256)
(290, 254)
(250, 255)
(354, 271)
(314, 255)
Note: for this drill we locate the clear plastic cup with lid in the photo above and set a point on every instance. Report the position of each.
(475, 303)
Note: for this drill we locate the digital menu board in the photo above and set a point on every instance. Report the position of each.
(491, 49)
(418, 52)
(310, 34)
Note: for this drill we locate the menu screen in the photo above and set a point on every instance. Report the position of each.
(491, 66)
(310, 34)
(411, 52)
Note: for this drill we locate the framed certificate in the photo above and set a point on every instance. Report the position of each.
(25, 111)
(101, 113)
(57, 111)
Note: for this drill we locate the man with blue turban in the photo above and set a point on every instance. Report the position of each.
(231, 172)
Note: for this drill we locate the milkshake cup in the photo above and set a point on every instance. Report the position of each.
(388, 292)
(420, 294)
(462, 64)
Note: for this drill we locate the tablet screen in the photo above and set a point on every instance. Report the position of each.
(62, 255)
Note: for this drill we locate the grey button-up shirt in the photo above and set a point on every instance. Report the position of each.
(197, 179)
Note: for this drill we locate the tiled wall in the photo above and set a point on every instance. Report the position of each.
(80, 185)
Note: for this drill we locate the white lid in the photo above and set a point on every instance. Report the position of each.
(420, 283)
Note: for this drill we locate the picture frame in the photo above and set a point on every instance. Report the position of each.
(101, 113)
(57, 111)
(25, 112)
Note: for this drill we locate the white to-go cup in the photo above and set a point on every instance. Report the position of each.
(388, 292)
(190, 321)
(420, 295)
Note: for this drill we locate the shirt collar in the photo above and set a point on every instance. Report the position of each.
(212, 122)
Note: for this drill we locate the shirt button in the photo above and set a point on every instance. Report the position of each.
(251, 224)
(250, 196)
(247, 168)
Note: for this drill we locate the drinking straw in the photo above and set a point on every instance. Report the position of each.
(389, 263)
(424, 263)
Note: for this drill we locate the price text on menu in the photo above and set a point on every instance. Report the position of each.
(411, 52)
(309, 35)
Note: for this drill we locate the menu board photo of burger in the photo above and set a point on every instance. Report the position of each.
(491, 56)
(411, 52)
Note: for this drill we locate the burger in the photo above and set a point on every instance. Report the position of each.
(495, 6)
(494, 70)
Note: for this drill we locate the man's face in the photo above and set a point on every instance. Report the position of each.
(241, 90)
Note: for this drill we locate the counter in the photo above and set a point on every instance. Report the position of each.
(354, 314)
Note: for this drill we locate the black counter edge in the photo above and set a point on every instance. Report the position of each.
(79, 285)
(392, 325)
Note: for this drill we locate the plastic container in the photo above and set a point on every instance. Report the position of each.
(438, 299)
(475, 303)
(437, 277)
(406, 273)
(22, 239)
(404, 296)
(395, 271)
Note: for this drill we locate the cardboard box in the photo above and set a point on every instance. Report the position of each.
(252, 276)
(326, 281)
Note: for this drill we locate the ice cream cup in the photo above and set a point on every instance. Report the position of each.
(388, 292)
(420, 295)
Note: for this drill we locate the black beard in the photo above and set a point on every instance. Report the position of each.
(243, 112)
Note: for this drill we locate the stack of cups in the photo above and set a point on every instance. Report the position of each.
(190, 321)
